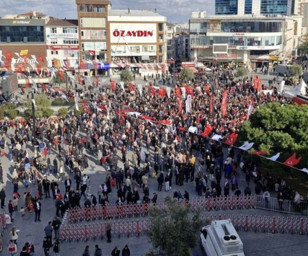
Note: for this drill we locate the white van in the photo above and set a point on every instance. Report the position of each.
(221, 239)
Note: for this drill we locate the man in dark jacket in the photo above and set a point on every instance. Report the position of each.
(98, 251)
(48, 233)
(2, 197)
(126, 251)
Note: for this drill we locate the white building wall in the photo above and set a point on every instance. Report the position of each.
(256, 7)
(241, 7)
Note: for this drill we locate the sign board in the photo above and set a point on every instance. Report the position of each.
(133, 33)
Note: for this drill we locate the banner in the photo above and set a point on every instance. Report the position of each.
(246, 146)
(292, 160)
(178, 92)
(275, 157)
(207, 130)
(180, 106)
(168, 89)
(224, 103)
(188, 104)
(231, 139)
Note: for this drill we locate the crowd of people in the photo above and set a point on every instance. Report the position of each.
(150, 128)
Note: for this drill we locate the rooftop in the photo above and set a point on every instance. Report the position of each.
(136, 13)
(62, 23)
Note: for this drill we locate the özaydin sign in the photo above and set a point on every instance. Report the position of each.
(133, 33)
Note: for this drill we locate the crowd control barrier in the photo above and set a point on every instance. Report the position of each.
(126, 227)
(140, 210)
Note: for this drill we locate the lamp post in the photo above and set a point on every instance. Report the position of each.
(34, 125)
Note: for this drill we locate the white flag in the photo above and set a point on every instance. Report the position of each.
(193, 129)
(246, 146)
(168, 89)
(183, 92)
(140, 89)
(122, 85)
(304, 170)
(216, 137)
(76, 101)
(275, 157)
(142, 155)
(281, 87)
(188, 104)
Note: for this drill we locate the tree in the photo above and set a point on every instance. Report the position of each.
(303, 48)
(62, 112)
(241, 72)
(42, 104)
(126, 76)
(173, 230)
(296, 70)
(278, 128)
(186, 74)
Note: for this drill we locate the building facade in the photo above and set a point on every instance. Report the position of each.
(256, 7)
(62, 43)
(254, 41)
(303, 11)
(93, 34)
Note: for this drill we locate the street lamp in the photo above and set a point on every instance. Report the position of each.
(34, 125)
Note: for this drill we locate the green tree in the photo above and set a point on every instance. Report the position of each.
(240, 72)
(126, 76)
(42, 104)
(303, 47)
(173, 230)
(62, 112)
(296, 70)
(186, 74)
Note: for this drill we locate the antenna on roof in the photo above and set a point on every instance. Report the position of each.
(155, 10)
(128, 11)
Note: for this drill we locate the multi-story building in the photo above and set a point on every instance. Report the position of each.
(303, 11)
(182, 46)
(170, 35)
(136, 40)
(23, 42)
(253, 40)
(256, 7)
(62, 43)
(93, 34)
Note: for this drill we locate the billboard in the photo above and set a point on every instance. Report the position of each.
(122, 33)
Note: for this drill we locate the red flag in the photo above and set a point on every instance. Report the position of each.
(231, 139)
(152, 90)
(211, 105)
(8, 57)
(180, 103)
(162, 92)
(102, 107)
(224, 103)
(182, 129)
(164, 122)
(82, 65)
(178, 92)
(189, 90)
(27, 82)
(95, 64)
(97, 80)
(131, 86)
(61, 75)
(207, 90)
(44, 87)
(207, 130)
(292, 160)
(42, 59)
(38, 70)
(259, 153)
(113, 86)
(79, 78)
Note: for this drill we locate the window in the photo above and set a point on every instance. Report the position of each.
(160, 26)
(54, 41)
(53, 30)
(70, 30)
(70, 41)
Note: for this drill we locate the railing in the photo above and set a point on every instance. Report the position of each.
(285, 206)
(127, 228)
(140, 210)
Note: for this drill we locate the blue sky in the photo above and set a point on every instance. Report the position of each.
(174, 10)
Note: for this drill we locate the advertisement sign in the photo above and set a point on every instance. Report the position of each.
(133, 33)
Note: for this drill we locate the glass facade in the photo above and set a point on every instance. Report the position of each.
(198, 27)
(22, 34)
(243, 41)
(226, 7)
(251, 27)
(282, 7)
(248, 6)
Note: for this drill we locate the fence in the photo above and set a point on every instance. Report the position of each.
(125, 228)
(2, 226)
(286, 206)
(139, 210)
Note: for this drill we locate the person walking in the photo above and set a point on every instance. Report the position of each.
(14, 234)
(12, 248)
(11, 210)
(98, 251)
(115, 252)
(86, 251)
(37, 209)
(48, 233)
(56, 226)
(2, 197)
(56, 247)
(126, 251)
(46, 246)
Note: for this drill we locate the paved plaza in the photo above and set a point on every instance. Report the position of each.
(254, 243)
